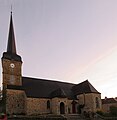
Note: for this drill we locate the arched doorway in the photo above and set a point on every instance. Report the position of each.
(62, 108)
(74, 106)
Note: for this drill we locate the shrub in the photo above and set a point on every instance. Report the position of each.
(100, 112)
(113, 110)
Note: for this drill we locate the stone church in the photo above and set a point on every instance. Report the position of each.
(32, 96)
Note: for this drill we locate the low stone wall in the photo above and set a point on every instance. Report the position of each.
(37, 118)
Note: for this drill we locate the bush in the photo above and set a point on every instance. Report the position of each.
(100, 113)
(113, 110)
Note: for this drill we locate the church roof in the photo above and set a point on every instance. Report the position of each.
(84, 87)
(46, 88)
(58, 93)
(42, 88)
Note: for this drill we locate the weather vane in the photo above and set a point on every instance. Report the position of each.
(11, 8)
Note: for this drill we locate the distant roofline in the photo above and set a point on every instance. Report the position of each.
(109, 100)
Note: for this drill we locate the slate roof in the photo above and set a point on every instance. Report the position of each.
(42, 88)
(11, 46)
(58, 93)
(46, 88)
(10, 56)
(84, 87)
(109, 100)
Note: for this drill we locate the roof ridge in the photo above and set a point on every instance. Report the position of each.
(90, 86)
(51, 80)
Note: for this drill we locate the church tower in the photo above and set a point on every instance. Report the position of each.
(11, 61)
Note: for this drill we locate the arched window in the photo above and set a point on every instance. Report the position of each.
(97, 102)
(48, 104)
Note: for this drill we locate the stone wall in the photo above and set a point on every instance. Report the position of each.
(9, 72)
(106, 107)
(67, 104)
(15, 102)
(18, 103)
(36, 106)
(56, 105)
(89, 100)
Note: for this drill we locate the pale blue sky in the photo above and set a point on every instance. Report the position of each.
(67, 40)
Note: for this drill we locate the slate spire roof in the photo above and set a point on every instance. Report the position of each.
(11, 53)
(11, 46)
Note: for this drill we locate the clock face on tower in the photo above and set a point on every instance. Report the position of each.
(12, 65)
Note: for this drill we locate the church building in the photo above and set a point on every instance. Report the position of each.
(35, 96)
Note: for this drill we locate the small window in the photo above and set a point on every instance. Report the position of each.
(97, 102)
(48, 104)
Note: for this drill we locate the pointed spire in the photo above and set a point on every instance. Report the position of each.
(11, 47)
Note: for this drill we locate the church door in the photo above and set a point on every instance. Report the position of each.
(62, 108)
(74, 107)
